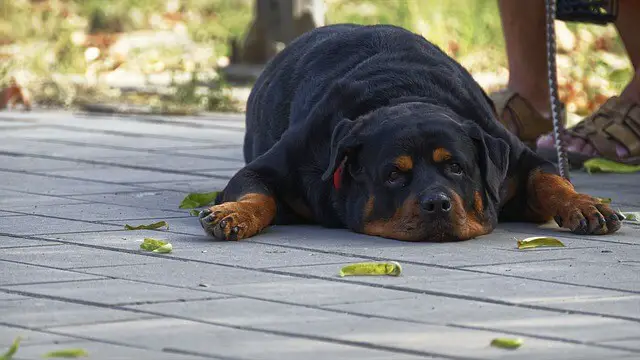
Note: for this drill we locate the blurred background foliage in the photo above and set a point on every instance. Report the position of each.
(163, 55)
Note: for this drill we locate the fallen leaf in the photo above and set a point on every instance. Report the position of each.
(66, 353)
(194, 213)
(164, 249)
(153, 226)
(151, 244)
(607, 166)
(539, 241)
(195, 200)
(507, 343)
(631, 216)
(391, 268)
(604, 200)
(12, 350)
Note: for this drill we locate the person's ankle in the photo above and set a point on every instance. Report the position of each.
(540, 103)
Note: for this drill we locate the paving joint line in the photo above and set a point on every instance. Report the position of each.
(156, 302)
(514, 263)
(125, 134)
(153, 151)
(108, 163)
(27, 246)
(117, 147)
(97, 277)
(167, 121)
(65, 177)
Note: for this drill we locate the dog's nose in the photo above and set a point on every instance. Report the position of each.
(436, 204)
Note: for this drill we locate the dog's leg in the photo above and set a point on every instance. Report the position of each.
(549, 196)
(248, 203)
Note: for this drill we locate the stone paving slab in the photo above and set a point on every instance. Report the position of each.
(41, 224)
(116, 292)
(146, 199)
(16, 273)
(225, 342)
(71, 276)
(15, 242)
(101, 351)
(30, 337)
(71, 256)
(106, 213)
(44, 185)
(131, 176)
(38, 313)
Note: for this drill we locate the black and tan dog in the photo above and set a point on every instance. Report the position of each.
(375, 129)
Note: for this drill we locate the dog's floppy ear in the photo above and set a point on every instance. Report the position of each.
(493, 159)
(343, 140)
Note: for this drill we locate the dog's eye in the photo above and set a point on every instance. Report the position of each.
(395, 177)
(454, 168)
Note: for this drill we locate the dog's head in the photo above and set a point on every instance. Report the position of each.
(417, 172)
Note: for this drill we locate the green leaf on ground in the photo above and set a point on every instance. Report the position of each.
(196, 200)
(607, 166)
(631, 216)
(66, 353)
(194, 213)
(12, 350)
(539, 241)
(164, 249)
(391, 268)
(604, 200)
(507, 343)
(150, 244)
(153, 226)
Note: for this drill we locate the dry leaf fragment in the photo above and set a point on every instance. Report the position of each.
(153, 226)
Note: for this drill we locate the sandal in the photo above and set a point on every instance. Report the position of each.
(523, 119)
(612, 132)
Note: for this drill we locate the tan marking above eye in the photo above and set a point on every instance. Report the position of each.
(404, 163)
(441, 154)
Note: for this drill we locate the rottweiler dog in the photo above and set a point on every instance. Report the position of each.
(375, 129)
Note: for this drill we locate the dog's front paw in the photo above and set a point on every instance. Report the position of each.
(239, 219)
(583, 214)
(229, 221)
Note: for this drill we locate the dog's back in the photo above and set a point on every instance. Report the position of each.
(351, 68)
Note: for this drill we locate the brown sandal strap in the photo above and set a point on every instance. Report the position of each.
(615, 121)
(524, 120)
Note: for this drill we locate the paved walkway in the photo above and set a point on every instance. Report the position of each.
(72, 277)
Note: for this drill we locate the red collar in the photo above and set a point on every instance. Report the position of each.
(337, 175)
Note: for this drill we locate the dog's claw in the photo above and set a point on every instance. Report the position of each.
(204, 213)
(558, 220)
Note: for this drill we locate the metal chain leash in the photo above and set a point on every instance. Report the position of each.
(558, 125)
